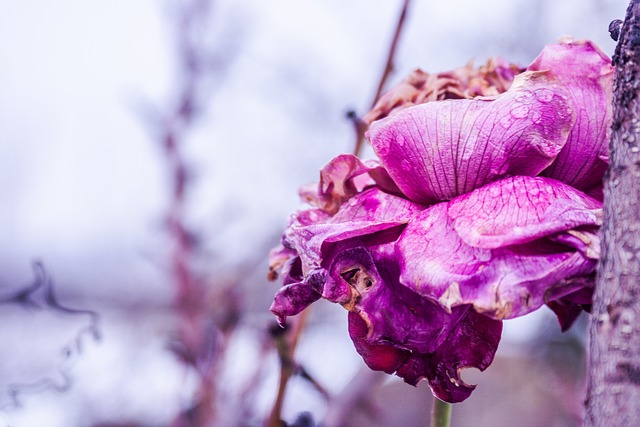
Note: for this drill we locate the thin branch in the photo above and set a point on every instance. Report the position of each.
(286, 340)
(359, 126)
(40, 295)
(389, 65)
(286, 343)
(357, 395)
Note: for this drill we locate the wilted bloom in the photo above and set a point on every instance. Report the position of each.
(475, 211)
(492, 78)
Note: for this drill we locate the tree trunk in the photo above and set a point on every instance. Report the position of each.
(614, 378)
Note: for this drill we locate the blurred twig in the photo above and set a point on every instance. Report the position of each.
(356, 395)
(359, 126)
(200, 340)
(286, 342)
(40, 295)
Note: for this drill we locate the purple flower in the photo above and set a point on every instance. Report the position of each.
(476, 212)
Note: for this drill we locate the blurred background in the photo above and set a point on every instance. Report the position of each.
(150, 154)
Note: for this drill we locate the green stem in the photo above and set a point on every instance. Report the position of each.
(441, 415)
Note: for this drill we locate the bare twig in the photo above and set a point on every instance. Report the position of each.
(286, 340)
(359, 126)
(41, 296)
(389, 65)
(356, 395)
(286, 343)
(199, 342)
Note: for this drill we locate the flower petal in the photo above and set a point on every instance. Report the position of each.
(521, 209)
(503, 257)
(342, 178)
(292, 299)
(471, 344)
(492, 78)
(396, 330)
(314, 239)
(440, 150)
(569, 307)
(379, 357)
(281, 257)
(587, 73)
(366, 215)
(365, 281)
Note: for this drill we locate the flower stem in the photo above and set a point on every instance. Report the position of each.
(441, 415)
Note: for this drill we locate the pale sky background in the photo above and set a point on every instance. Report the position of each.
(83, 185)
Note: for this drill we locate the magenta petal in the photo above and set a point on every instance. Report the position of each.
(510, 259)
(440, 150)
(366, 281)
(521, 209)
(569, 307)
(587, 73)
(364, 215)
(379, 357)
(396, 330)
(471, 344)
(344, 177)
(292, 299)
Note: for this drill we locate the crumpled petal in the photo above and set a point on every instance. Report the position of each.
(369, 214)
(521, 209)
(365, 281)
(283, 254)
(440, 150)
(313, 239)
(379, 357)
(292, 299)
(396, 330)
(471, 344)
(587, 73)
(569, 307)
(342, 178)
(498, 247)
(490, 79)
(278, 258)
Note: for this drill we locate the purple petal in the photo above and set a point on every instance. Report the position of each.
(587, 73)
(396, 330)
(292, 299)
(366, 215)
(471, 344)
(440, 150)
(568, 307)
(281, 257)
(365, 281)
(278, 258)
(379, 357)
(342, 178)
(314, 239)
(498, 248)
(521, 209)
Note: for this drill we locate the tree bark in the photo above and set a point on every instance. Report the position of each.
(613, 397)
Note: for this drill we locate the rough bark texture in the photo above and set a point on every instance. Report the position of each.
(614, 378)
